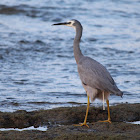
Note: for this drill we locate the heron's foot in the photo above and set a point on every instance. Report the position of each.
(82, 124)
(109, 121)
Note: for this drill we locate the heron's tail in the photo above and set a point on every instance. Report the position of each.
(117, 92)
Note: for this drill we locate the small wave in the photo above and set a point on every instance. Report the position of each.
(10, 10)
(20, 9)
(29, 42)
(1, 57)
(55, 103)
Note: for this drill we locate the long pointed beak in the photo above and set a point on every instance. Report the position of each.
(65, 23)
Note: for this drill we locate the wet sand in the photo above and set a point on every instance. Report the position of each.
(60, 122)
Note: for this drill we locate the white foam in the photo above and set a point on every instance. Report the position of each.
(136, 122)
(40, 128)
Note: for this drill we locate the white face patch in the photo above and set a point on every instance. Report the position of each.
(71, 25)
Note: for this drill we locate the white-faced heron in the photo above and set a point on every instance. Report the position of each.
(95, 78)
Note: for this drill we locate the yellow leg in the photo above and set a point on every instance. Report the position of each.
(85, 121)
(109, 119)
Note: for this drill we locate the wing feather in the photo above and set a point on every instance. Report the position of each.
(95, 75)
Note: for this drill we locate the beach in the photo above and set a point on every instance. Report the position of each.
(59, 122)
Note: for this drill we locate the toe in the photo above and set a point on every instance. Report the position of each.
(82, 124)
(109, 121)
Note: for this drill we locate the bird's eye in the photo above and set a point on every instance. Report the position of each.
(69, 22)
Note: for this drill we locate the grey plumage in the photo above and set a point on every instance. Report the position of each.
(95, 78)
(95, 75)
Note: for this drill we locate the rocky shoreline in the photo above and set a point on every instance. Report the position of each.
(60, 122)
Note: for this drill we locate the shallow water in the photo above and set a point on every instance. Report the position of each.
(38, 69)
(136, 122)
(41, 128)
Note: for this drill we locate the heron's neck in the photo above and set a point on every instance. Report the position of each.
(77, 52)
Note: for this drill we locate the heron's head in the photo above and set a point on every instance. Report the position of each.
(71, 23)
